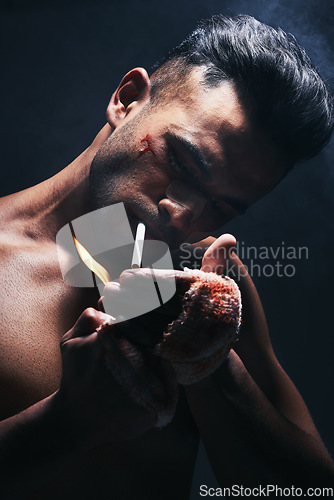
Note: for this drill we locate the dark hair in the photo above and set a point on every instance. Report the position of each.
(275, 78)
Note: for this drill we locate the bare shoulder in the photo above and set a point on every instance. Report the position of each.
(29, 336)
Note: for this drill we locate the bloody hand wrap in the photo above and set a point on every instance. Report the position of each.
(193, 345)
(201, 337)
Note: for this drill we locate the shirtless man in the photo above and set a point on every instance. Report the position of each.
(228, 114)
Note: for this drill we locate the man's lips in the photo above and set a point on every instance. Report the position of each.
(151, 233)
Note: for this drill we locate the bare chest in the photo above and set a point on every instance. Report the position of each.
(37, 308)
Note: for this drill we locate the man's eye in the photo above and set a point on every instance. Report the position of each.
(186, 173)
(178, 165)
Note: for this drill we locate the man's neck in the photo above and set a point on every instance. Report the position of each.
(40, 211)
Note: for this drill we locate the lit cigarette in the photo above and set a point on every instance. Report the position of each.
(139, 246)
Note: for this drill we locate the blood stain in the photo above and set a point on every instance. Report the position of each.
(147, 145)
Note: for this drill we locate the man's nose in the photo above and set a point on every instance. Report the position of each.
(174, 214)
(182, 205)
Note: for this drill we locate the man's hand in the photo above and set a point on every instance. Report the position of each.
(268, 434)
(97, 406)
(89, 409)
(195, 330)
(218, 253)
(145, 329)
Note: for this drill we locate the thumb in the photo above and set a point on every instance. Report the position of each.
(214, 259)
(87, 323)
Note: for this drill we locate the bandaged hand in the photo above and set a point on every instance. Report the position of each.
(182, 341)
(200, 338)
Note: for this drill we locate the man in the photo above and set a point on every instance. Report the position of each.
(226, 115)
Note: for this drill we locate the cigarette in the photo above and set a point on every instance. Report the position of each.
(139, 246)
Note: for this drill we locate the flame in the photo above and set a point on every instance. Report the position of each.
(91, 263)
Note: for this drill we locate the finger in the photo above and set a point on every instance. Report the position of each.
(190, 254)
(138, 295)
(100, 306)
(214, 259)
(112, 290)
(132, 277)
(145, 272)
(87, 323)
(137, 291)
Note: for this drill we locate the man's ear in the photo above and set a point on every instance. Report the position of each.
(132, 93)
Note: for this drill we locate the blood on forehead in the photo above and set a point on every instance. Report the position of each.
(146, 144)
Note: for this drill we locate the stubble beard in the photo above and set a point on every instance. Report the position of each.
(113, 173)
(111, 165)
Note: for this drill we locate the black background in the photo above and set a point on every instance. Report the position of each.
(61, 62)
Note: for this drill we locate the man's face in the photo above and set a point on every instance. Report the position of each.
(203, 140)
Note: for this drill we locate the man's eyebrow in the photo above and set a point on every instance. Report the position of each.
(204, 166)
(193, 151)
